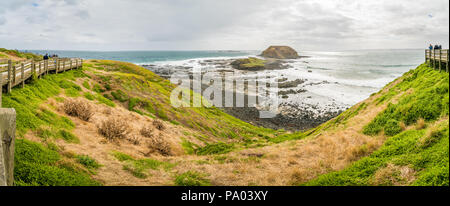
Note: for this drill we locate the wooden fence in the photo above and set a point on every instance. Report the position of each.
(437, 58)
(13, 74)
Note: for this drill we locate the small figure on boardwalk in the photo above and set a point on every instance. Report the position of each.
(45, 56)
(440, 47)
(436, 47)
(430, 47)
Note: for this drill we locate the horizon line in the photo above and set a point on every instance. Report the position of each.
(187, 50)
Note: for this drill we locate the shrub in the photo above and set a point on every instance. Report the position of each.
(158, 124)
(192, 178)
(134, 140)
(158, 144)
(107, 87)
(113, 128)
(78, 108)
(146, 131)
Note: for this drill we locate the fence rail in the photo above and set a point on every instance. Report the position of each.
(437, 58)
(16, 73)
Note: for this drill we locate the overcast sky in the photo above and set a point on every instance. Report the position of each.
(324, 25)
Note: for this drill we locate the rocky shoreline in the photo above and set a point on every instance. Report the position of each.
(291, 116)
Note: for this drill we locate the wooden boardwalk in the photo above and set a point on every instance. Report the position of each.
(437, 58)
(16, 73)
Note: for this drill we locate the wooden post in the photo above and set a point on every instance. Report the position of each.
(56, 65)
(70, 67)
(33, 68)
(40, 71)
(8, 88)
(429, 56)
(447, 62)
(22, 74)
(440, 63)
(14, 74)
(434, 59)
(45, 66)
(7, 139)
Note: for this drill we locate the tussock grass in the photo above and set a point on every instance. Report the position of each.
(160, 145)
(78, 108)
(113, 129)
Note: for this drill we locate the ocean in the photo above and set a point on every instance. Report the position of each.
(333, 80)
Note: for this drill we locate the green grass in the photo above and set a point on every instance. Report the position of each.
(422, 93)
(97, 88)
(119, 95)
(37, 165)
(217, 148)
(139, 167)
(26, 55)
(103, 100)
(86, 85)
(188, 147)
(192, 178)
(88, 162)
(249, 63)
(137, 82)
(89, 96)
(430, 161)
(26, 102)
(428, 99)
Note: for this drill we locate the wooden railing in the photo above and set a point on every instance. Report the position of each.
(16, 73)
(437, 58)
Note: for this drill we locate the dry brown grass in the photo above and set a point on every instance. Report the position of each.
(357, 152)
(78, 108)
(107, 111)
(159, 145)
(135, 140)
(403, 126)
(394, 175)
(158, 124)
(113, 129)
(146, 131)
(420, 124)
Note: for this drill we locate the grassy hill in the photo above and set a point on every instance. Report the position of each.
(416, 122)
(17, 56)
(111, 123)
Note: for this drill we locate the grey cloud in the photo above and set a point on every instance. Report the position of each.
(2, 20)
(232, 24)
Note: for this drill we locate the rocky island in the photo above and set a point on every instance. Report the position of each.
(280, 52)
